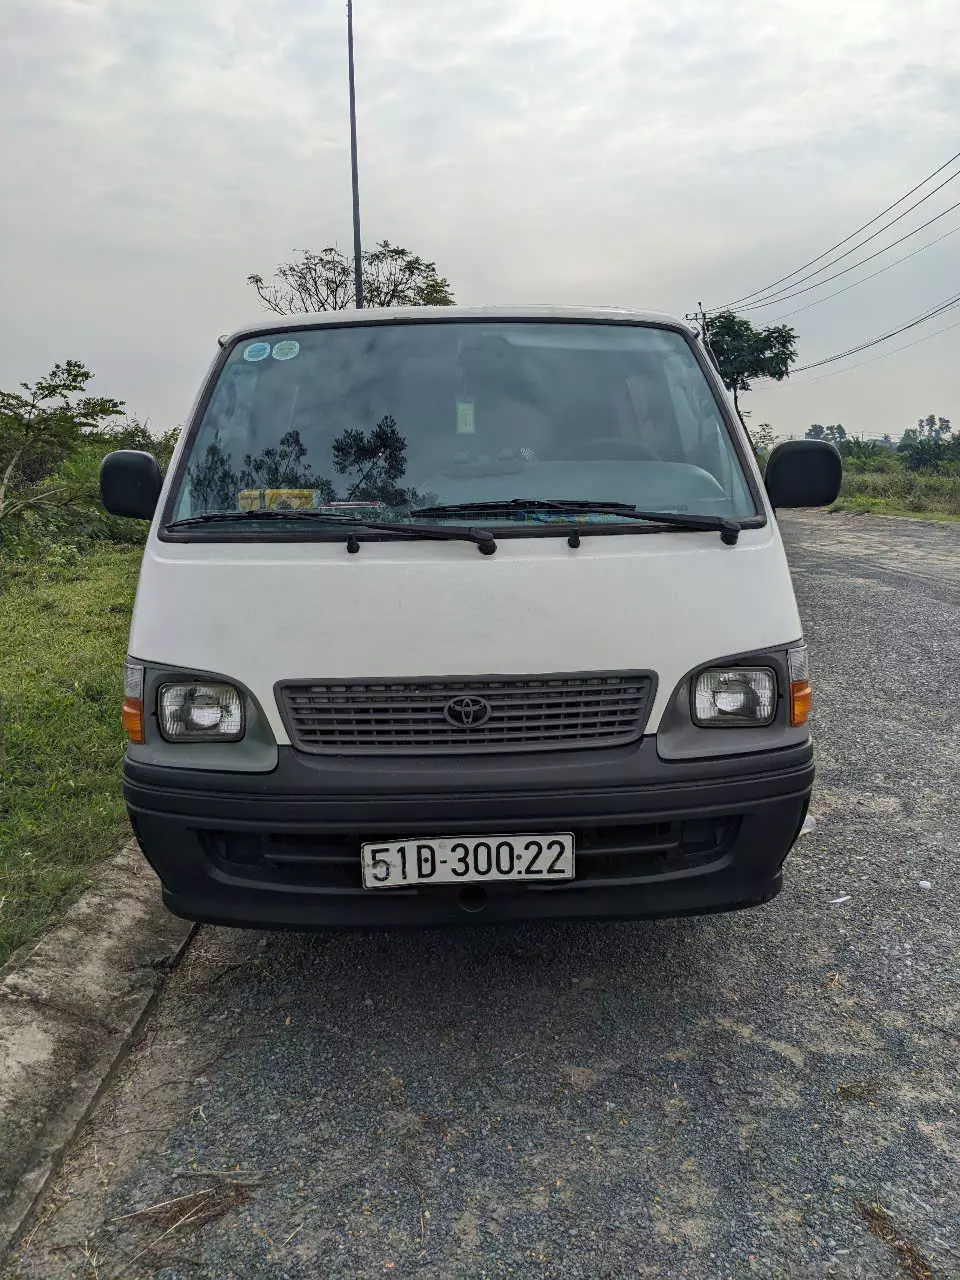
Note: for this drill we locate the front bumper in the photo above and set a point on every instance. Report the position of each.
(282, 850)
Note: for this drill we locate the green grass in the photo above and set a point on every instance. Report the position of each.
(900, 493)
(63, 634)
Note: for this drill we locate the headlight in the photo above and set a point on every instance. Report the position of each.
(200, 712)
(739, 697)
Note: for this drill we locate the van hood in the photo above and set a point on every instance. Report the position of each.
(263, 612)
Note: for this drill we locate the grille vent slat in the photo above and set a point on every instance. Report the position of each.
(526, 713)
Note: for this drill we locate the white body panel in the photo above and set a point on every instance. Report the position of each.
(259, 613)
(262, 612)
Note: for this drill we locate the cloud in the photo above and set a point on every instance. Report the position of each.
(647, 155)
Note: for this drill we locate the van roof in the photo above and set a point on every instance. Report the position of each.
(379, 314)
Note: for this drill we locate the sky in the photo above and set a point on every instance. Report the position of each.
(649, 155)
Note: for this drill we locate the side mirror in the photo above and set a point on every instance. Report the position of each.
(130, 483)
(803, 473)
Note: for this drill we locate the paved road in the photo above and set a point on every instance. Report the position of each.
(767, 1094)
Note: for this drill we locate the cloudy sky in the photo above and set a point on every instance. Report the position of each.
(586, 151)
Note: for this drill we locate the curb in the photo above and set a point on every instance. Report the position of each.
(70, 1008)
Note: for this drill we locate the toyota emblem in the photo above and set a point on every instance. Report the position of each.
(467, 711)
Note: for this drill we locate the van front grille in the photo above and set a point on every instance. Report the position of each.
(490, 713)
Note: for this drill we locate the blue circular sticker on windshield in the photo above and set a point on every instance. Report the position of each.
(286, 350)
(257, 351)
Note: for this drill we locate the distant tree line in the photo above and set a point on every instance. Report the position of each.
(930, 446)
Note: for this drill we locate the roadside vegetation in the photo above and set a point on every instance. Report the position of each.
(917, 475)
(64, 620)
(900, 493)
(68, 573)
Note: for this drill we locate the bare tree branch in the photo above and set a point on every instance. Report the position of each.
(324, 281)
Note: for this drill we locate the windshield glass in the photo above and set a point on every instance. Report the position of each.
(380, 420)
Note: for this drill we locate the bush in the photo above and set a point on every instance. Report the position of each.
(898, 489)
(82, 521)
(884, 461)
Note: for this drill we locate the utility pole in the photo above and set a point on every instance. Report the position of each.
(357, 252)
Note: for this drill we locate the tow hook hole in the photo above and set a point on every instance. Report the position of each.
(473, 898)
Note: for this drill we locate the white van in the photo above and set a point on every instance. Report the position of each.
(453, 615)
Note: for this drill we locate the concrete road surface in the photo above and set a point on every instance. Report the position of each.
(772, 1093)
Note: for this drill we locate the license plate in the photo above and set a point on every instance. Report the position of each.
(468, 860)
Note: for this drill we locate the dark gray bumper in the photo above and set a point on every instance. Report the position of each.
(653, 837)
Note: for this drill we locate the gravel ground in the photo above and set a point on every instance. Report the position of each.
(772, 1093)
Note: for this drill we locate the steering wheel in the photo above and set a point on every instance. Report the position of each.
(614, 447)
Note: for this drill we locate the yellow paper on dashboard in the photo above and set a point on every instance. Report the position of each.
(274, 499)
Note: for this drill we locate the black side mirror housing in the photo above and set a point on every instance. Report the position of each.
(130, 483)
(803, 473)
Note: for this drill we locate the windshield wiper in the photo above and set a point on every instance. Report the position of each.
(729, 530)
(496, 506)
(483, 538)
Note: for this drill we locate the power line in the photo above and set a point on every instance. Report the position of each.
(772, 302)
(846, 240)
(872, 276)
(937, 310)
(783, 279)
(883, 356)
(781, 295)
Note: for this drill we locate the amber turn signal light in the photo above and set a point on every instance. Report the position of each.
(133, 719)
(133, 700)
(801, 701)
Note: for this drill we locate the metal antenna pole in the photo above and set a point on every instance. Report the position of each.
(357, 252)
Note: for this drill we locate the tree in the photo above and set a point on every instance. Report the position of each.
(40, 429)
(745, 353)
(868, 454)
(928, 445)
(80, 472)
(378, 458)
(213, 481)
(282, 468)
(324, 281)
(835, 434)
(763, 437)
(134, 434)
(933, 428)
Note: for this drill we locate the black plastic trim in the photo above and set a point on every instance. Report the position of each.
(304, 787)
(254, 752)
(217, 533)
(479, 682)
(680, 737)
(803, 473)
(767, 795)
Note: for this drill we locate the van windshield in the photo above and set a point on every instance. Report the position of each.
(379, 421)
